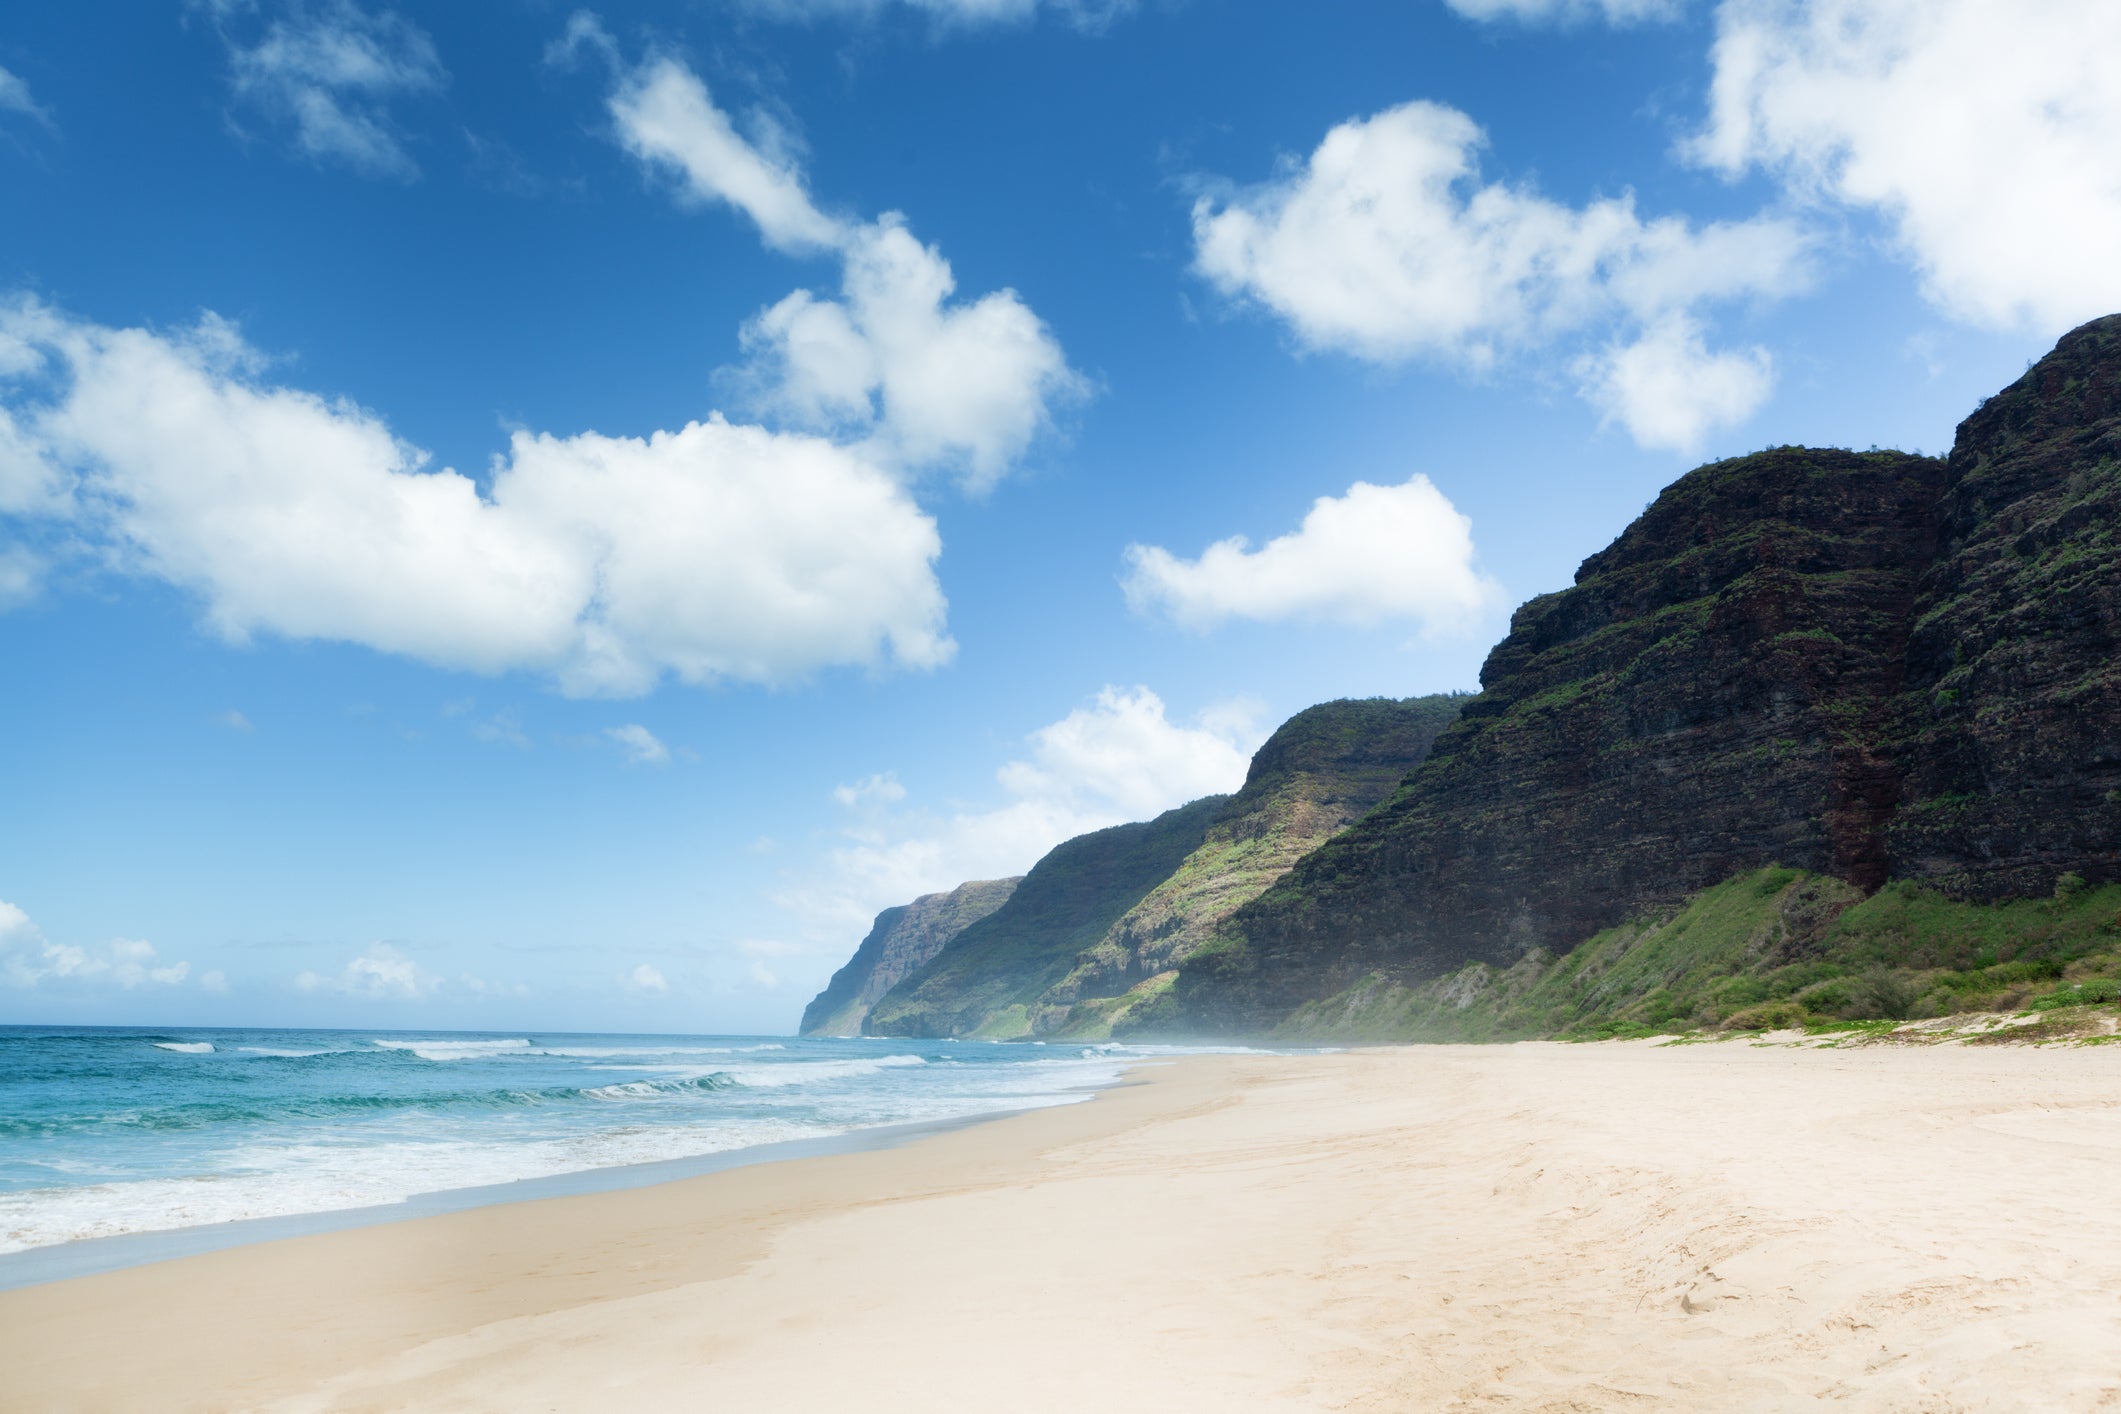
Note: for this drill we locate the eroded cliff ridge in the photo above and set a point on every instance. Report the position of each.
(1094, 938)
(1864, 665)
(983, 981)
(903, 939)
(1323, 769)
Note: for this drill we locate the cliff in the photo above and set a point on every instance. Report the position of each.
(1865, 666)
(2010, 729)
(984, 980)
(901, 942)
(1324, 768)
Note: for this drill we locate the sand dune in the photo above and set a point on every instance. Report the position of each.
(1714, 1227)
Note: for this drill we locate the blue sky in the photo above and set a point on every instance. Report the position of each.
(522, 517)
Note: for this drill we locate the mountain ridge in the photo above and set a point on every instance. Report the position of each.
(1845, 673)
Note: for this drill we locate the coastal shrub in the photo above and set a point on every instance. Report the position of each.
(2100, 989)
(1834, 997)
(1883, 993)
(1768, 1016)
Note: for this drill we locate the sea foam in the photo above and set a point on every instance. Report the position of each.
(134, 1134)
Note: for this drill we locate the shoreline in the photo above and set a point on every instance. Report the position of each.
(94, 1256)
(1530, 1226)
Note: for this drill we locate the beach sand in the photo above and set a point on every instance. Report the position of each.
(1536, 1227)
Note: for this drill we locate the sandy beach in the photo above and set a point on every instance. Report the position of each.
(1621, 1226)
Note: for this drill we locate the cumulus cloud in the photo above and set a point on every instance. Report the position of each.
(1118, 758)
(1384, 244)
(1669, 389)
(1986, 132)
(1617, 12)
(646, 978)
(15, 98)
(718, 551)
(325, 73)
(1378, 553)
(382, 971)
(920, 377)
(28, 959)
(642, 746)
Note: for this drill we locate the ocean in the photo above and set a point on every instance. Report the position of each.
(108, 1131)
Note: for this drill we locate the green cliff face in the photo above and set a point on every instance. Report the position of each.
(1090, 943)
(982, 983)
(1865, 667)
(901, 942)
(1323, 769)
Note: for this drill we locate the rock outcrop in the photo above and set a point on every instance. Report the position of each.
(1864, 665)
(901, 943)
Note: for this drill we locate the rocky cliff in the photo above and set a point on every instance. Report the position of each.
(1862, 665)
(2010, 734)
(983, 982)
(901, 942)
(1322, 769)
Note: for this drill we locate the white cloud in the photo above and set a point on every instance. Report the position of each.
(646, 978)
(235, 721)
(922, 378)
(718, 551)
(1117, 759)
(1669, 389)
(382, 971)
(641, 745)
(1987, 132)
(880, 789)
(1618, 12)
(15, 98)
(938, 382)
(1377, 553)
(1083, 14)
(1383, 244)
(326, 72)
(29, 959)
(666, 119)
(215, 981)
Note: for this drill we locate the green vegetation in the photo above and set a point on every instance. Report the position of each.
(984, 980)
(1773, 949)
(1088, 945)
(902, 941)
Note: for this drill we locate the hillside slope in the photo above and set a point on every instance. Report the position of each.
(982, 982)
(1324, 768)
(1864, 666)
(899, 944)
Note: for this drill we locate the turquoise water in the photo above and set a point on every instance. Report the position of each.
(106, 1131)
